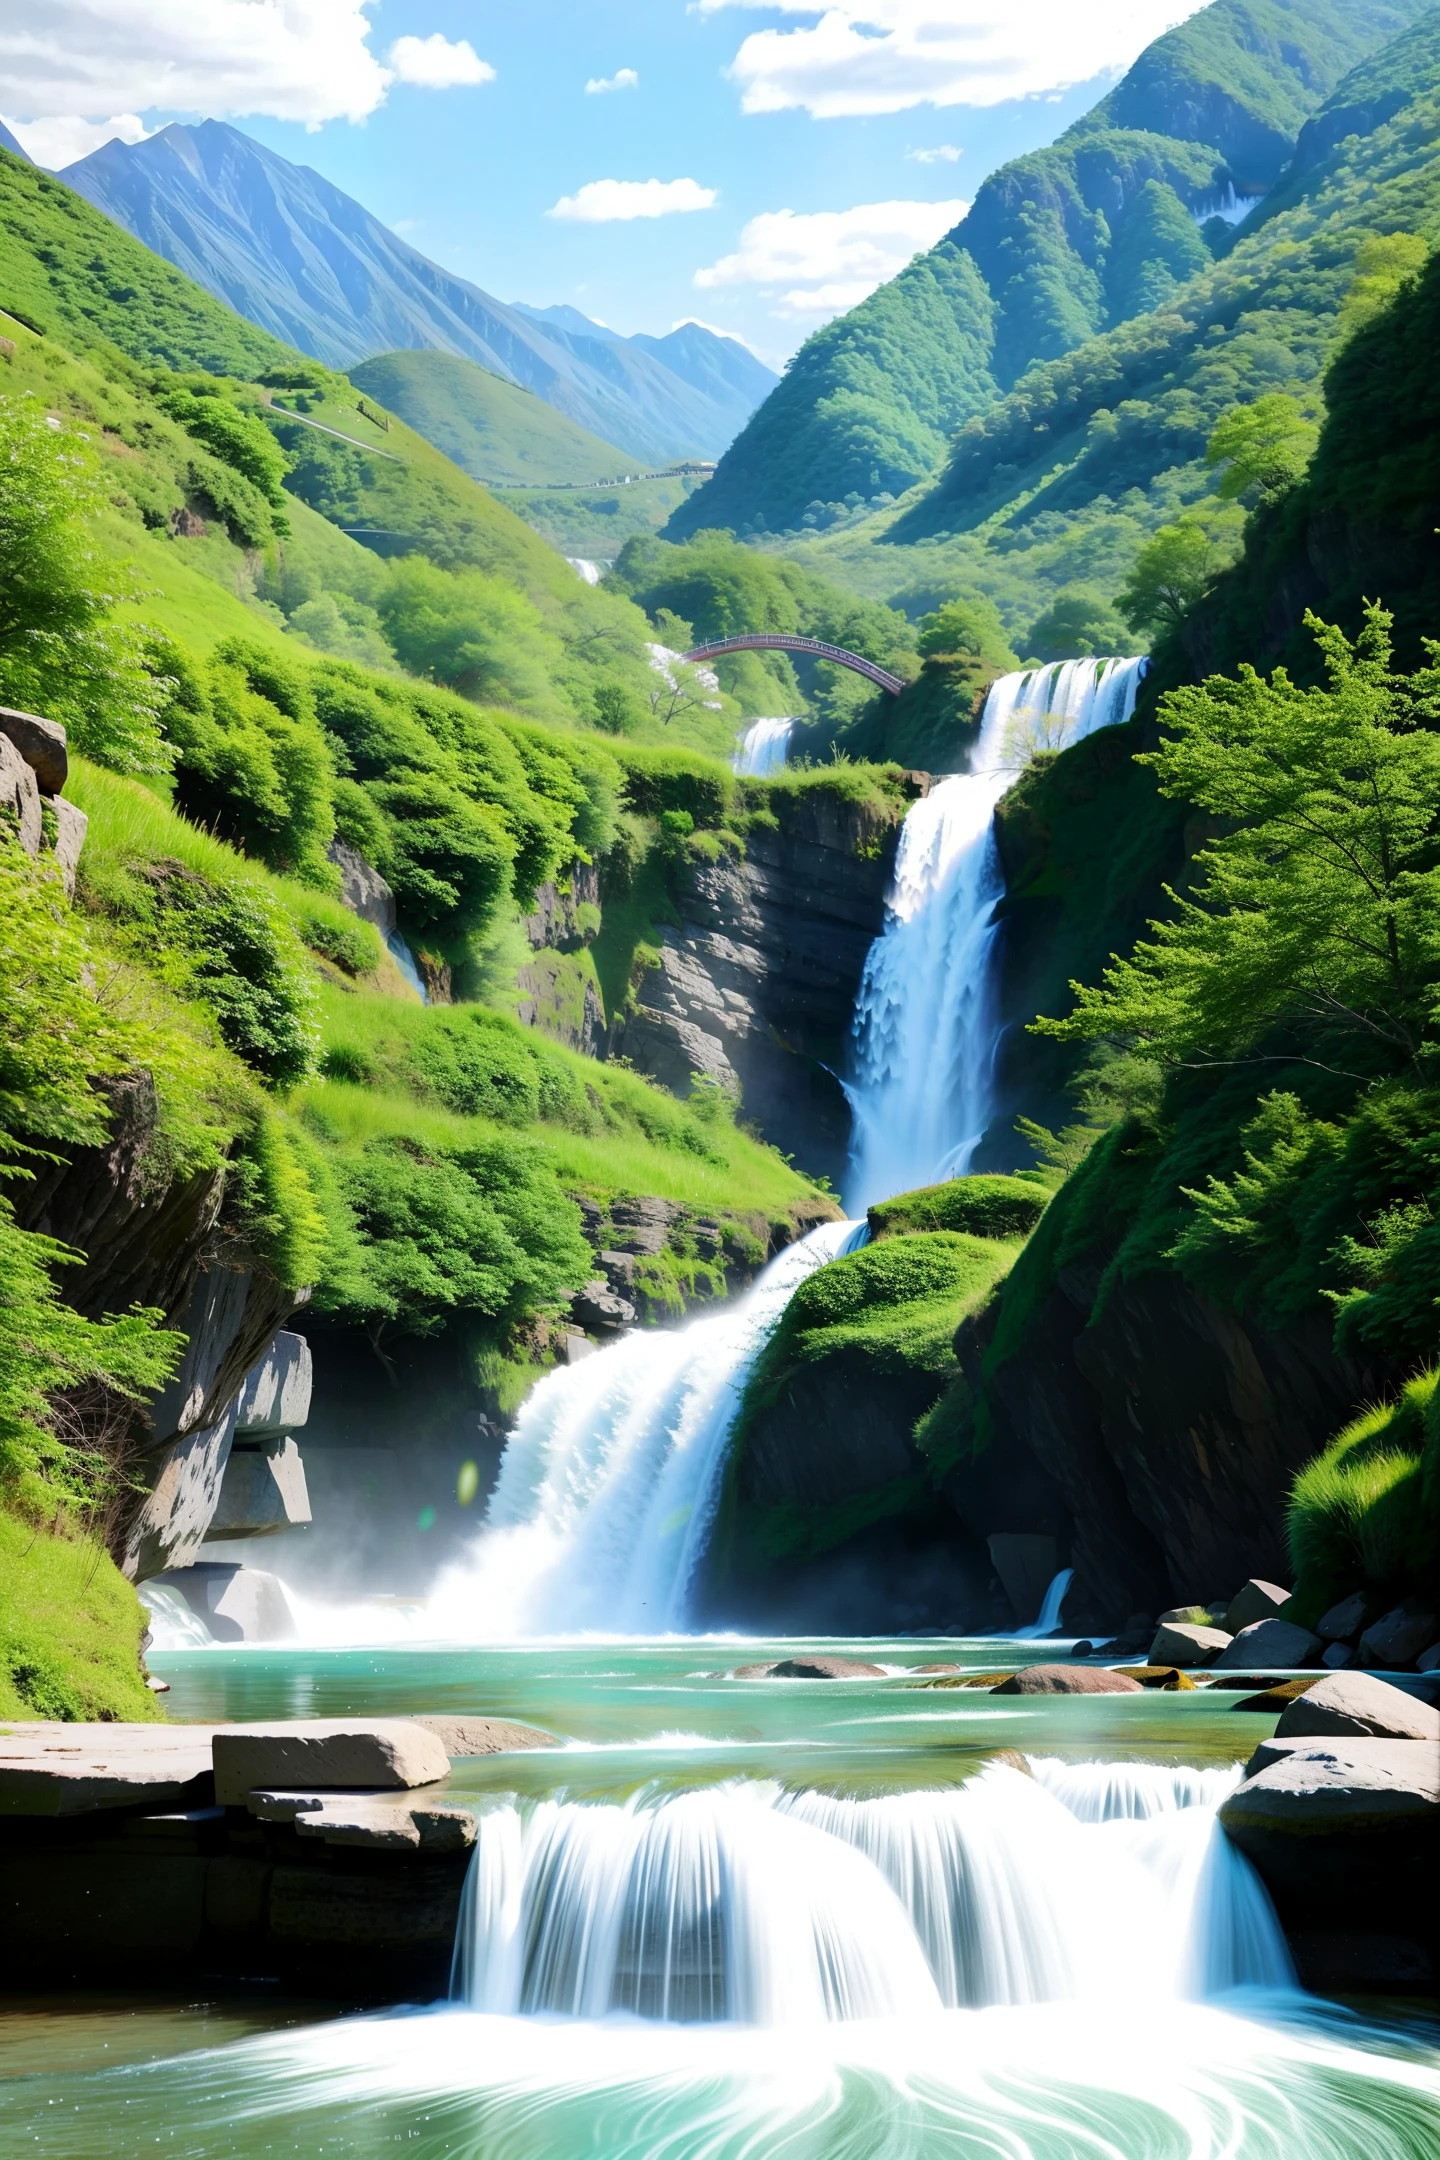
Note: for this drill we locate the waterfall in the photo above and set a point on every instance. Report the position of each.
(1049, 1617)
(763, 749)
(742, 1902)
(926, 1029)
(611, 1476)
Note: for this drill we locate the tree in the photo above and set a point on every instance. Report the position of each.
(1265, 446)
(970, 623)
(1383, 263)
(61, 651)
(1078, 624)
(1315, 920)
(1170, 574)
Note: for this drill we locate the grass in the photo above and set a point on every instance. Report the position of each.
(983, 1206)
(70, 1628)
(1365, 1513)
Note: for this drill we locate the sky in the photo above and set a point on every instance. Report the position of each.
(758, 167)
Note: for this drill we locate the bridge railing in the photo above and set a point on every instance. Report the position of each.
(786, 641)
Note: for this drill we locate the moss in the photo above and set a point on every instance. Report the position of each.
(70, 1628)
(1363, 1514)
(984, 1206)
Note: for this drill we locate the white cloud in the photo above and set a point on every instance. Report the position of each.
(944, 153)
(622, 79)
(58, 143)
(606, 202)
(884, 56)
(822, 262)
(435, 64)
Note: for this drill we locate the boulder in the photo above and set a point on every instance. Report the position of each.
(20, 798)
(461, 1736)
(1338, 1655)
(236, 1604)
(275, 1396)
(1272, 1643)
(41, 743)
(1344, 1621)
(1352, 1785)
(1186, 1616)
(1168, 1677)
(1398, 1638)
(1186, 1642)
(1253, 1601)
(1068, 1680)
(811, 1668)
(597, 1306)
(1272, 1699)
(362, 888)
(1429, 1660)
(71, 826)
(387, 1754)
(1356, 1702)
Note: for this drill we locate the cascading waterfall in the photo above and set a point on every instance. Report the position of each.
(763, 749)
(926, 1028)
(610, 1479)
(742, 1902)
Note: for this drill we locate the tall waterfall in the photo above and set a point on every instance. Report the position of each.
(763, 749)
(926, 1029)
(610, 1479)
(741, 1901)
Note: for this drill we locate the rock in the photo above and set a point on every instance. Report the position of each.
(578, 1346)
(1186, 1616)
(263, 1491)
(41, 743)
(1083, 1648)
(1355, 1785)
(1271, 1642)
(1356, 1702)
(1009, 1758)
(1067, 1680)
(169, 1529)
(644, 1222)
(1185, 1642)
(988, 1681)
(1398, 1639)
(937, 1668)
(1026, 1565)
(362, 888)
(1344, 1621)
(1168, 1677)
(378, 1821)
(1338, 1655)
(462, 1736)
(275, 1396)
(1254, 1600)
(1429, 1660)
(385, 1753)
(71, 826)
(20, 797)
(596, 1306)
(237, 1604)
(618, 1268)
(52, 1769)
(1271, 1699)
(812, 1668)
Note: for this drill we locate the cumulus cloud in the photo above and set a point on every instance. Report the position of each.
(884, 56)
(622, 79)
(823, 261)
(435, 64)
(608, 202)
(944, 153)
(58, 143)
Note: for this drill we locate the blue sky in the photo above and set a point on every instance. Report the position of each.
(802, 153)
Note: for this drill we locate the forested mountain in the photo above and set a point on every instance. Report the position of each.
(1102, 227)
(282, 246)
(490, 428)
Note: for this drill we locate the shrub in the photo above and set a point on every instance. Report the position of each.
(478, 1063)
(1363, 1515)
(234, 949)
(985, 1206)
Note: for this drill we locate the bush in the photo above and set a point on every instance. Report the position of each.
(661, 780)
(1365, 1514)
(478, 1063)
(983, 1206)
(234, 949)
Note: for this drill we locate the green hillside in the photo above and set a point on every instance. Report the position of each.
(493, 430)
(1058, 247)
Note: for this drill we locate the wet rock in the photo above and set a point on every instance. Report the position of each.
(1272, 1698)
(1067, 1680)
(988, 1681)
(1254, 1601)
(1356, 1702)
(643, 1222)
(1009, 1758)
(462, 1736)
(41, 743)
(1399, 1637)
(596, 1306)
(1354, 1785)
(1187, 1642)
(375, 1822)
(76, 1769)
(386, 1754)
(263, 1491)
(1429, 1660)
(1271, 1642)
(812, 1668)
(937, 1668)
(1168, 1677)
(1344, 1621)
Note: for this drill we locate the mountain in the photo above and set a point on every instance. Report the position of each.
(8, 142)
(491, 429)
(282, 246)
(720, 367)
(1059, 246)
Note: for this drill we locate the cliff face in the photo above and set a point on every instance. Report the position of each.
(755, 986)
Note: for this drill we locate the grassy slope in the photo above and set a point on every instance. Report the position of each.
(493, 430)
(70, 1628)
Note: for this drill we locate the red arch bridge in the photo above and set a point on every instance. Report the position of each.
(781, 641)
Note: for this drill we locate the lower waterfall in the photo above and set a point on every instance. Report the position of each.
(611, 1476)
(744, 1902)
(763, 749)
(926, 1029)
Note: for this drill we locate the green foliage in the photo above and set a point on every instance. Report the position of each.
(971, 624)
(57, 1036)
(1362, 1515)
(1383, 264)
(898, 1301)
(1315, 910)
(473, 632)
(661, 780)
(1171, 572)
(494, 430)
(983, 1206)
(1078, 623)
(240, 440)
(271, 1203)
(70, 1628)
(1264, 447)
(61, 651)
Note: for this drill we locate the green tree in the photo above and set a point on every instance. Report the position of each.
(1383, 263)
(1078, 624)
(61, 651)
(1265, 446)
(1315, 919)
(1170, 574)
(971, 624)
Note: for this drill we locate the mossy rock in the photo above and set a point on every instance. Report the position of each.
(1272, 1699)
(986, 1206)
(1168, 1677)
(985, 1680)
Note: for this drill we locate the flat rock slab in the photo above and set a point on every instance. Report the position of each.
(1358, 1703)
(811, 1668)
(461, 1736)
(1346, 1785)
(387, 1754)
(1068, 1680)
(54, 1769)
(1186, 1642)
(372, 1821)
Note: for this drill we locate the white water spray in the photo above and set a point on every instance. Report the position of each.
(926, 1027)
(742, 1902)
(763, 749)
(610, 1479)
